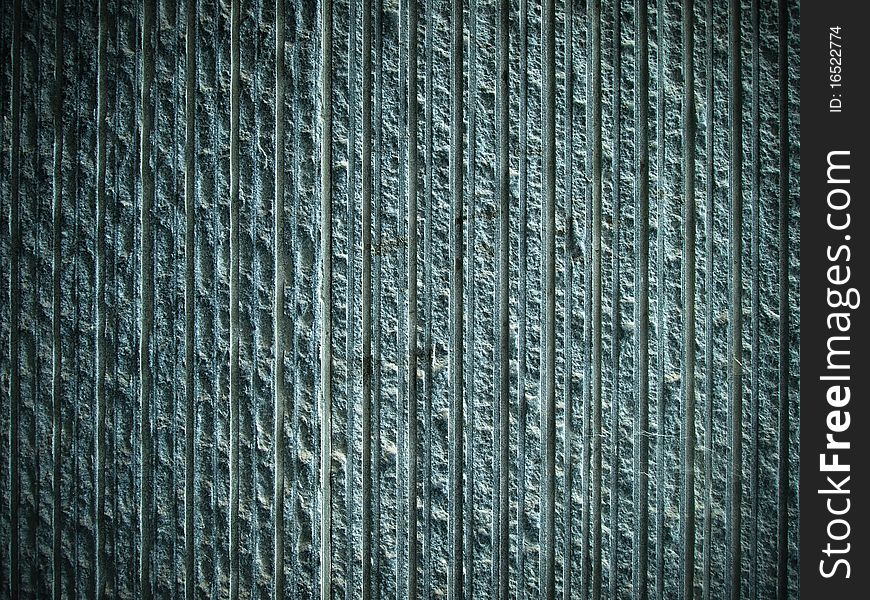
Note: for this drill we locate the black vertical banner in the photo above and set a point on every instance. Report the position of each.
(834, 273)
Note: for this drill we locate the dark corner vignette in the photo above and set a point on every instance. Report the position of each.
(833, 184)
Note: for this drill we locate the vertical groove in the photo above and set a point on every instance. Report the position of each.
(641, 432)
(784, 312)
(100, 301)
(755, 305)
(595, 21)
(688, 495)
(522, 402)
(616, 315)
(57, 340)
(412, 299)
(147, 307)
(190, 66)
(568, 397)
(503, 449)
(736, 301)
(278, 307)
(234, 368)
(367, 482)
(548, 396)
(15, 307)
(708, 317)
(457, 385)
(326, 301)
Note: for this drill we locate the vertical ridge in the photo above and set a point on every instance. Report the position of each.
(234, 367)
(189, 295)
(548, 396)
(736, 314)
(278, 308)
(470, 343)
(350, 277)
(595, 19)
(457, 384)
(412, 299)
(662, 303)
(708, 317)
(377, 287)
(15, 307)
(568, 397)
(147, 308)
(755, 304)
(293, 282)
(503, 93)
(688, 496)
(616, 314)
(326, 301)
(642, 308)
(100, 301)
(428, 390)
(216, 260)
(783, 424)
(522, 402)
(57, 340)
(367, 483)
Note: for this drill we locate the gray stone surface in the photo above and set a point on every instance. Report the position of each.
(98, 496)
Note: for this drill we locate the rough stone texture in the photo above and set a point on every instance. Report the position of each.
(79, 519)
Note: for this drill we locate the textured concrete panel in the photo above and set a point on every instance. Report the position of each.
(399, 299)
